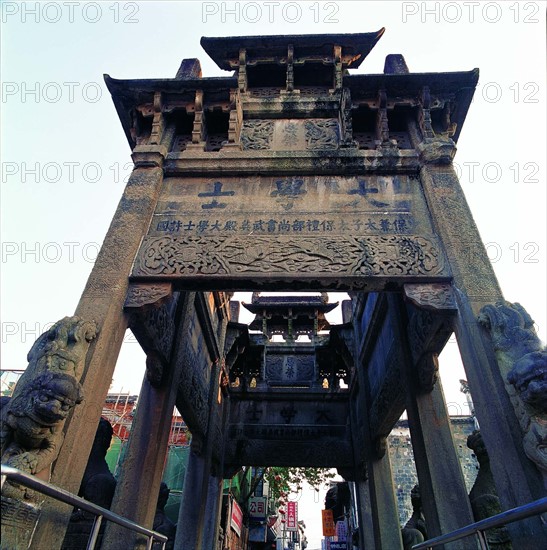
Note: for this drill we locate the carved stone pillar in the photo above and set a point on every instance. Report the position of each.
(444, 495)
(425, 114)
(194, 498)
(338, 72)
(102, 301)
(517, 480)
(290, 68)
(378, 516)
(385, 517)
(242, 71)
(422, 336)
(382, 127)
(235, 121)
(157, 121)
(198, 515)
(198, 129)
(364, 511)
(213, 508)
(160, 329)
(210, 511)
(346, 124)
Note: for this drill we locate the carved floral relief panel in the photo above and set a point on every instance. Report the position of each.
(312, 134)
(193, 392)
(290, 368)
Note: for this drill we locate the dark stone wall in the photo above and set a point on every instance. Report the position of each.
(402, 460)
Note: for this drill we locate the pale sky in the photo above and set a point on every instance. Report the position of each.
(58, 120)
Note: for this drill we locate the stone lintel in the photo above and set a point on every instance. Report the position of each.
(291, 104)
(233, 162)
(287, 283)
(285, 396)
(298, 419)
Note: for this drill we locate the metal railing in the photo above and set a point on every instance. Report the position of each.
(13, 474)
(522, 512)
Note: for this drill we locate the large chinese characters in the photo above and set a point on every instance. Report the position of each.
(299, 227)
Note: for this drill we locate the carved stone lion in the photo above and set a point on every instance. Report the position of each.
(415, 530)
(512, 331)
(32, 421)
(523, 358)
(63, 347)
(31, 432)
(529, 378)
(483, 496)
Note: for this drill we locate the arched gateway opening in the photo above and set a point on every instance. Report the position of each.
(293, 174)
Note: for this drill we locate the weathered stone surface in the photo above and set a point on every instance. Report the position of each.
(290, 174)
(437, 297)
(60, 349)
(523, 358)
(32, 431)
(429, 327)
(98, 486)
(404, 467)
(162, 524)
(18, 523)
(148, 294)
(437, 151)
(415, 530)
(32, 421)
(395, 64)
(325, 228)
(483, 496)
(153, 308)
(102, 300)
(453, 222)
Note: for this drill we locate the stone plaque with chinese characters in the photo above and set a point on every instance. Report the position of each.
(287, 430)
(322, 230)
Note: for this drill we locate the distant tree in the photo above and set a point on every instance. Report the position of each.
(283, 481)
(9, 390)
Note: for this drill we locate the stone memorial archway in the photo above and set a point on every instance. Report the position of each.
(293, 174)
